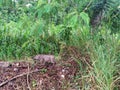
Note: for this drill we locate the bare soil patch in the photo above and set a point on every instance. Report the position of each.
(42, 76)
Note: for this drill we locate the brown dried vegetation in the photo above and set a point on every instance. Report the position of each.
(48, 74)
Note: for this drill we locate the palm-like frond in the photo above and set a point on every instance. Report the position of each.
(107, 9)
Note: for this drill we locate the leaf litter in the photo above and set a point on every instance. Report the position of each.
(50, 74)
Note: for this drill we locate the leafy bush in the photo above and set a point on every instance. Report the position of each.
(32, 27)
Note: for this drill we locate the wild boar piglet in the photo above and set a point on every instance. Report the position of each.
(44, 58)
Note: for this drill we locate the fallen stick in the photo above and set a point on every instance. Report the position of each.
(17, 76)
(28, 84)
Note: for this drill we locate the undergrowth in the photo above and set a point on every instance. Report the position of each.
(43, 27)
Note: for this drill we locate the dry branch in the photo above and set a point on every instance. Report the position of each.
(28, 84)
(17, 76)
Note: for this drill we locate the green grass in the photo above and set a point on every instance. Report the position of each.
(104, 57)
(24, 38)
(104, 49)
(45, 27)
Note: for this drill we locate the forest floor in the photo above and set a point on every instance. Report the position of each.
(22, 75)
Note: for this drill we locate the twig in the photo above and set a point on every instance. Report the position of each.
(17, 76)
(87, 6)
(28, 74)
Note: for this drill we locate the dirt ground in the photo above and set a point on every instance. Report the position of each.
(24, 75)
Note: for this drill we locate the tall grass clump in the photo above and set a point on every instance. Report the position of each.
(81, 33)
(104, 56)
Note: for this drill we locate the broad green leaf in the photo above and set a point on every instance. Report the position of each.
(85, 17)
(73, 20)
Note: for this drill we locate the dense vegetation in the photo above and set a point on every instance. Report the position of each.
(29, 27)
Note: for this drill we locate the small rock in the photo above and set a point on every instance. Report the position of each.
(15, 69)
(4, 64)
(63, 76)
(17, 64)
(63, 70)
